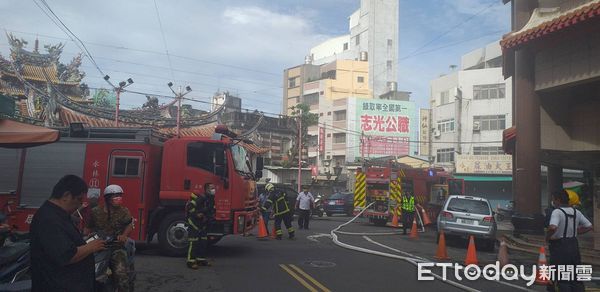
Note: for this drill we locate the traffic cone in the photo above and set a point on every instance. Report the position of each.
(395, 220)
(273, 232)
(413, 231)
(262, 229)
(545, 280)
(426, 220)
(442, 253)
(503, 254)
(471, 253)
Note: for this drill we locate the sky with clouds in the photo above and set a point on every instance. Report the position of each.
(243, 46)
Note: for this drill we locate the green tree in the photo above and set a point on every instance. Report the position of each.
(301, 112)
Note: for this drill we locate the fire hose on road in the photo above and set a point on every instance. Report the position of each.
(410, 258)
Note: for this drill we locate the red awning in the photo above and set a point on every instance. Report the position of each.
(509, 138)
(19, 135)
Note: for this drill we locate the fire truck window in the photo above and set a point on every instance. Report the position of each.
(203, 155)
(126, 166)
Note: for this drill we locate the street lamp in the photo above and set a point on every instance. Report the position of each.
(179, 96)
(118, 90)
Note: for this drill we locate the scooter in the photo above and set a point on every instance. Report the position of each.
(319, 210)
(15, 264)
(102, 260)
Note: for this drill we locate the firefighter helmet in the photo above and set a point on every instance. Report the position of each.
(269, 187)
(112, 190)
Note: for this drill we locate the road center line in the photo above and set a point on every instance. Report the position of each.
(298, 278)
(307, 276)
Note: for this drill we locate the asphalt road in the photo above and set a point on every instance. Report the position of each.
(313, 262)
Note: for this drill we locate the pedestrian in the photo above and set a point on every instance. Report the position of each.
(565, 224)
(113, 219)
(60, 258)
(304, 203)
(408, 210)
(281, 211)
(266, 213)
(200, 215)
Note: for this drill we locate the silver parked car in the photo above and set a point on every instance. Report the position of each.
(466, 215)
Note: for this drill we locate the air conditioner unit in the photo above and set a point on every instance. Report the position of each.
(476, 126)
(437, 133)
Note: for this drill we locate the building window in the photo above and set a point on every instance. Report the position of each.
(320, 114)
(328, 135)
(329, 113)
(357, 39)
(389, 65)
(345, 46)
(446, 126)
(487, 150)
(339, 115)
(328, 75)
(360, 79)
(389, 42)
(489, 123)
(292, 82)
(444, 97)
(489, 91)
(339, 138)
(311, 99)
(125, 166)
(445, 155)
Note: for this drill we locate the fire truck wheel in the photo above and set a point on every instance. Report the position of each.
(172, 235)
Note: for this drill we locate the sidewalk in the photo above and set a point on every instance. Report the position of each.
(532, 243)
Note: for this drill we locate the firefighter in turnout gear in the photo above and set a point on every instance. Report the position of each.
(200, 211)
(281, 210)
(408, 211)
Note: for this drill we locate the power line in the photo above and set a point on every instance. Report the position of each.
(449, 30)
(149, 52)
(164, 39)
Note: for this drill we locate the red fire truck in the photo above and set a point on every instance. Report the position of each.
(384, 185)
(158, 174)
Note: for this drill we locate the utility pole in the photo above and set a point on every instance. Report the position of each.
(179, 95)
(299, 150)
(118, 91)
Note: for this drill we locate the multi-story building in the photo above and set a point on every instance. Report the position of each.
(373, 37)
(469, 110)
(352, 124)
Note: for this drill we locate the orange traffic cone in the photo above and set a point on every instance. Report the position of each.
(542, 279)
(395, 220)
(273, 232)
(442, 253)
(413, 231)
(503, 254)
(471, 253)
(426, 220)
(262, 229)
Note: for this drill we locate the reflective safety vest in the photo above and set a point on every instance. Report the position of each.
(278, 200)
(408, 203)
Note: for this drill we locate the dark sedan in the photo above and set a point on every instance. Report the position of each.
(339, 203)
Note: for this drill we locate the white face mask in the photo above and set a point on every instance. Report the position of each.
(212, 192)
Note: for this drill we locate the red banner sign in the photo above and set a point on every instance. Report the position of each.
(321, 140)
(386, 146)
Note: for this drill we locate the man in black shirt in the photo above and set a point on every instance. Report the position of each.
(60, 258)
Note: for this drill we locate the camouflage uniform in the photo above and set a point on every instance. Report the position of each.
(118, 260)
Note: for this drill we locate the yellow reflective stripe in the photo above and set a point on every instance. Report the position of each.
(193, 196)
(192, 224)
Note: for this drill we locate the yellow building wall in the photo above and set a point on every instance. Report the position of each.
(346, 80)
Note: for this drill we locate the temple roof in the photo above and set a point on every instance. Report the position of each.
(547, 21)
